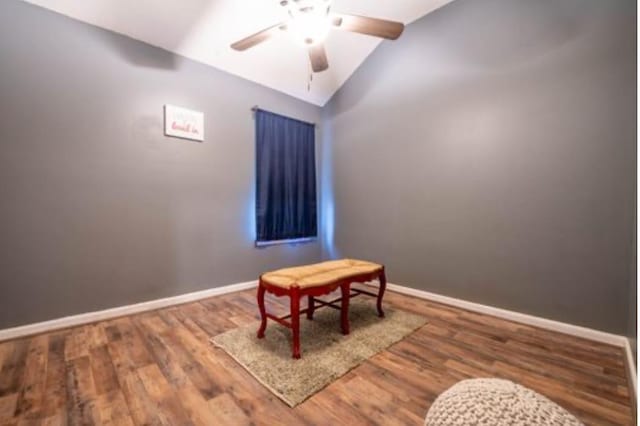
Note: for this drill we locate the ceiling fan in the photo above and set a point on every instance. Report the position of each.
(309, 23)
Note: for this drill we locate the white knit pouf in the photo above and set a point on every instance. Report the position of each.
(495, 402)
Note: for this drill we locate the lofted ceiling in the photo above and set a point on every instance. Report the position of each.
(202, 30)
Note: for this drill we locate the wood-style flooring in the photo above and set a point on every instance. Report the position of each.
(159, 368)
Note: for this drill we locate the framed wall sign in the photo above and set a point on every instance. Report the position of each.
(183, 123)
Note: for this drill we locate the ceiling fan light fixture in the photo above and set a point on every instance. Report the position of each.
(308, 26)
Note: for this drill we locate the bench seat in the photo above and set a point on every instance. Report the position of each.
(319, 274)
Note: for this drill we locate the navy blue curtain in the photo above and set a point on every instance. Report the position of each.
(285, 178)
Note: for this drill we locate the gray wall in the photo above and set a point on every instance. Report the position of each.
(99, 209)
(489, 154)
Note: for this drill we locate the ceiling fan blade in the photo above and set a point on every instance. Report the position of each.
(258, 37)
(370, 26)
(318, 58)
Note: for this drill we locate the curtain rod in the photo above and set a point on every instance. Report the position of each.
(256, 107)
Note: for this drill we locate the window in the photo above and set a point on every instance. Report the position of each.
(285, 179)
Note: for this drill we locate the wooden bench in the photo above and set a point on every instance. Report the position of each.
(317, 280)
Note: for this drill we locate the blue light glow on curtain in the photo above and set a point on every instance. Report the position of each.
(285, 178)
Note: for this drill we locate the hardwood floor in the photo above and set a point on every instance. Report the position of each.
(159, 368)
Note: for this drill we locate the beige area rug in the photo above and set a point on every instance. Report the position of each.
(326, 353)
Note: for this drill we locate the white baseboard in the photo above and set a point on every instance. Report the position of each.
(89, 317)
(561, 327)
(631, 364)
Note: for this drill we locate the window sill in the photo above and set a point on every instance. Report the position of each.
(260, 244)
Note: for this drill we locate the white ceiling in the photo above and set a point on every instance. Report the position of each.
(202, 30)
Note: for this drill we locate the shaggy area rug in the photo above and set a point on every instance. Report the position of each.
(326, 353)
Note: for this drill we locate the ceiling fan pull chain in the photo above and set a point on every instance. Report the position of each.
(310, 78)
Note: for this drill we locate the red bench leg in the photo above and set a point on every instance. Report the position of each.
(344, 307)
(295, 320)
(383, 286)
(311, 307)
(263, 311)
